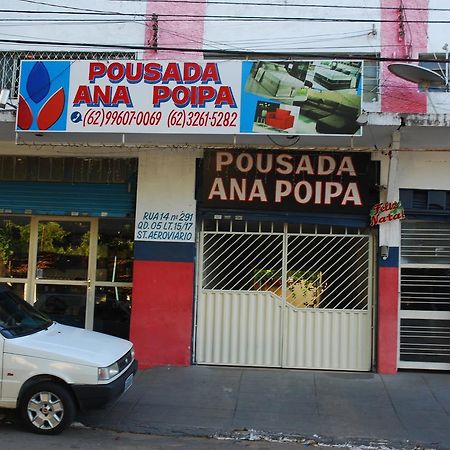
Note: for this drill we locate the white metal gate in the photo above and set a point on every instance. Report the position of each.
(282, 295)
(425, 296)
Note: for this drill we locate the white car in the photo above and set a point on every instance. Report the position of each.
(48, 371)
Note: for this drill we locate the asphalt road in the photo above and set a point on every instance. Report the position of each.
(12, 437)
(80, 437)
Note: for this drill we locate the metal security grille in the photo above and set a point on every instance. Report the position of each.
(284, 295)
(425, 296)
(425, 343)
(10, 63)
(335, 269)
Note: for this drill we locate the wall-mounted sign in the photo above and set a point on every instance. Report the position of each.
(288, 181)
(386, 212)
(206, 97)
(165, 226)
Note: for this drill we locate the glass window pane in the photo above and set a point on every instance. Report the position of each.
(115, 250)
(63, 250)
(438, 65)
(14, 242)
(112, 311)
(64, 304)
(18, 289)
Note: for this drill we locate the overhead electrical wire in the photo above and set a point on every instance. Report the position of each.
(227, 18)
(66, 7)
(87, 11)
(231, 53)
(297, 41)
(293, 5)
(71, 13)
(407, 90)
(308, 38)
(76, 10)
(217, 44)
(281, 41)
(255, 43)
(233, 46)
(185, 17)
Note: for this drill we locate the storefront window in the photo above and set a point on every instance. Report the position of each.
(63, 250)
(14, 242)
(115, 250)
(64, 304)
(112, 311)
(18, 288)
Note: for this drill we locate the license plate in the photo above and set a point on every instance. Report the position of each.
(128, 382)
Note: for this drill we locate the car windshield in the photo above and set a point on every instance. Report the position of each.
(19, 318)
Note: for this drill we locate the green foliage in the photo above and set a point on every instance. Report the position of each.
(14, 240)
(308, 281)
(52, 238)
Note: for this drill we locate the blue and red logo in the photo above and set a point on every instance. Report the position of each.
(44, 87)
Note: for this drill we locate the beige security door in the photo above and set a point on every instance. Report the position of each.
(284, 295)
(62, 260)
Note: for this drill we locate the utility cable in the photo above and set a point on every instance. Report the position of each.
(218, 52)
(224, 18)
(233, 53)
(228, 18)
(289, 5)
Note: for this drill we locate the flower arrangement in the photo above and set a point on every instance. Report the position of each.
(303, 287)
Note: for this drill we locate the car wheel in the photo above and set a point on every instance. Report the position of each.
(47, 408)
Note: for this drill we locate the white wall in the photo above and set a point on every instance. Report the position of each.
(424, 170)
(165, 205)
(294, 36)
(438, 34)
(43, 27)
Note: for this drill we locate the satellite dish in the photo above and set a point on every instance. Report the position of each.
(417, 74)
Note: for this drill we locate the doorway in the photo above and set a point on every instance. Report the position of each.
(424, 314)
(62, 257)
(76, 270)
(284, 295)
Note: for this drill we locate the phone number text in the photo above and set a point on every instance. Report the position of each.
(101, 117)
(175, 119)
(184, 119)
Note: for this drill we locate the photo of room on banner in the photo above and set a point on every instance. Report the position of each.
(302, 97)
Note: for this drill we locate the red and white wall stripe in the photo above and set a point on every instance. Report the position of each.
(401, 39)
(163, 279)
(166, 31)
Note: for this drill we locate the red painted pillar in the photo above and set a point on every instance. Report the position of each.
(162, 312)
(388, 298)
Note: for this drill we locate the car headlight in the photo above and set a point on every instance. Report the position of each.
(106, 373)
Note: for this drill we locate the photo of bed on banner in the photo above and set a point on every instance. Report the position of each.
(316, 97)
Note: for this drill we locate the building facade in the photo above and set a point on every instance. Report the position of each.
(315, 236)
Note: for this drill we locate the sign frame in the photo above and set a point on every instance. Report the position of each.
(305, 97)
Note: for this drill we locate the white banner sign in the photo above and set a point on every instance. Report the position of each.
(205, 97)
